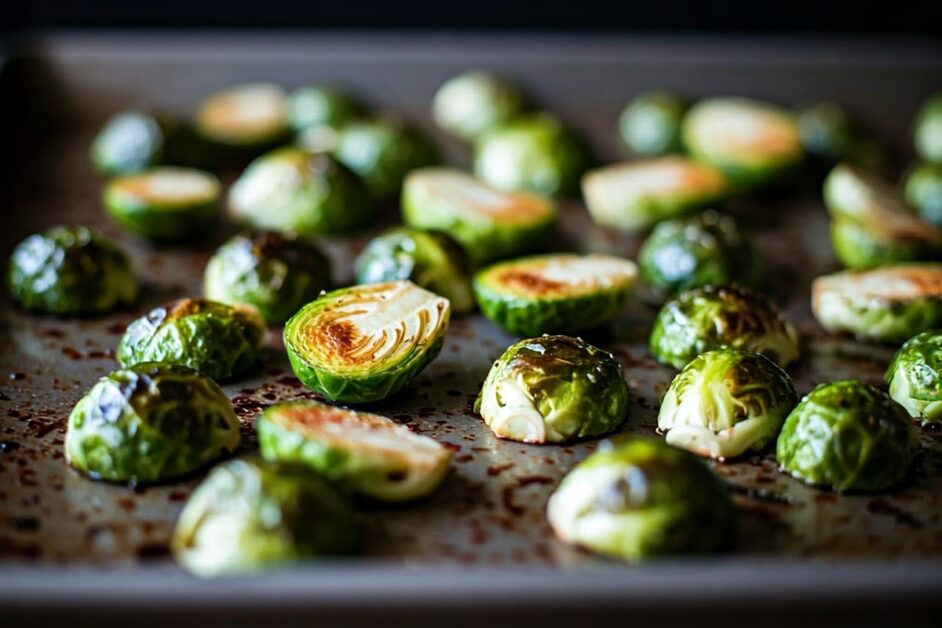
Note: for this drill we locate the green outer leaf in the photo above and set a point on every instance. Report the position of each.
(915, 376)
(320, 106)
(857, 248)
(650, 124)
(923, 190)
(928, 129)
(474, 102)
(826, 131)
(130, 141)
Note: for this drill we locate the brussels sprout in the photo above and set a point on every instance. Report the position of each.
(752, 142)
(274, 273)
(474, 102)
(364, 343)
(924, 192)
(558, 293)
(429, 259)
(650, 124)
(320, 106)
(693, 252)
(888, 304)
(218, 340)
(726, 402)
(70, 271)
(383, 152)
(533, 153)
(292, 190)
(553, 389)
(488, 223)
(129, 142)
(826, 131)
(375, 455)
(717, 317)
(641, 498)
(250, 514)
(150, 423)
(244, 118)
(915, 376)
(848, 436)
(928, 134)
(637, 194)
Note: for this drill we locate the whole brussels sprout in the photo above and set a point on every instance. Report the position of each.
(364, 343)
(826, 131)
(373, 454)
(533, 152)
(474, 102)
(218, 340)
(888, 304)
(641, 498)
(923, 189)
(915, 376)
(130, 141)
(292, 190)
(693, 252)
(717, 317)
(556, 293)
(429, 259)
(553, 389)
(488, 223)
(847, 436)
(637, 194)
(726, 402)
(150, 423)
(928, 133)
(250, 514)
(320, 106)
(650, 123)
(246, 118)
(69, 271)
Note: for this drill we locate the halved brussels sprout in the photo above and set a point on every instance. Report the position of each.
(693, 252)
(847, 436)
(244, 118)
(250, 514)
(640, 498)
(70, 271)
(637, 194)
(553, 389)
(364, 343)
(533, 152)
(374, 455)
(924, 192)
(150, 423)
(289, 189)
(915, 376)
(726, 402)
(320, 106)
(888, 304)
(165, 203)
(274, 273)
(218, 340)
(474, 102)
(556, 293)
(928, 134)
(129, 142)
(429, 259)
(488, 223)
(826, 131)
(750, 141)
(718, 317)
(650, 124)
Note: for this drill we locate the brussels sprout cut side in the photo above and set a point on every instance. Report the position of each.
(473, 103)
(557, 293)
(637, 194)
(915, 376)
(364, 343)
(650, 124)
(70, 271)
(244, 118)
(553, 389)
(640, 498)
(924, 192)
(374, 455)
(316, 106)
(129, 142)
(488, 223)
(150, 423)
(928, 134)
(250, 514)
(847, 436)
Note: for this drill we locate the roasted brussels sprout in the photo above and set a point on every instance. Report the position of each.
(274, 273)
(289, 189)
(473, 103)
(650, 124)
(374, 455)
(218, 340)
(924, 192)
(150, 423)
(928, 134)
(557, 293)
(847, 436)
(250, 514)
(888, 304)
(553, 389)
(637, 194)
(364, 343)
(915, 376)
(129, 142)
(726, 402)
(244, 118)
(488, 223)
(429, 259)
(639, 499)
(70, 271)
(533, 153)
(320, 106)
(717, 317)
(826, 131)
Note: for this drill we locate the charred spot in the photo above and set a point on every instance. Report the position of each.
(529, 282)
